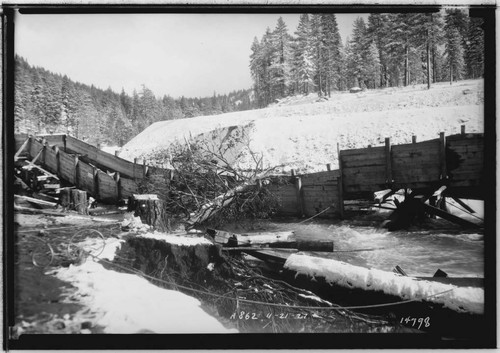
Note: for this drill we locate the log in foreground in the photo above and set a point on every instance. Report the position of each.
(269, 240)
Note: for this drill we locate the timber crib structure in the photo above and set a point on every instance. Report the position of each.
(455, 162)
(106, 177)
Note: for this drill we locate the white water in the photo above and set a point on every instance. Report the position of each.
(417, 252)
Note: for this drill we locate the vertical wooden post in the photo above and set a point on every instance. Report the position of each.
(77, 171)
(64, 142)
(95, 181)
(135, 165)
(340, 183)
(329, 167)
(414, 139)
(30, 139)
(58, 161)
(462, 130)
(118, 186)
(44, 151)
(388, 162)
(117, 153)
(340, 198)
(300, 198)
(292, 172)
(144, 168)
(442, 156)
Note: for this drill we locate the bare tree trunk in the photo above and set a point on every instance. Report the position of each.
(407, 67)
(428, 63)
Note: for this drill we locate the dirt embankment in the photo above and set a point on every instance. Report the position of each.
(302, 132)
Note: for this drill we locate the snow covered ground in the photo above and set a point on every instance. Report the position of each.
(127, 303)
(302, 132)
(461, 299)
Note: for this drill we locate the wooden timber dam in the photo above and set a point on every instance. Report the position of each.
(448, 166)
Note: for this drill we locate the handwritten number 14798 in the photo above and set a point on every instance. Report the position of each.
(414, 322)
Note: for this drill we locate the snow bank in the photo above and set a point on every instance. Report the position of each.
(302, 133)
(460, 299)
(125, 303)
(184, 240)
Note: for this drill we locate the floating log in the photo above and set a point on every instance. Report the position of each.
(230, 239)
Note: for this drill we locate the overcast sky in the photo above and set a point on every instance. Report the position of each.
(189, 55)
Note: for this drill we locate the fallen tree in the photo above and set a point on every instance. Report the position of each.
(206, 185)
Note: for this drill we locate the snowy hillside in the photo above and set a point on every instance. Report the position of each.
(302, 132)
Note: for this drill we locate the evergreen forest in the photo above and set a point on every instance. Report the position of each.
(387, 50)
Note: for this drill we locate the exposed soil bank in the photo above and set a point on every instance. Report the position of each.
(219, 279)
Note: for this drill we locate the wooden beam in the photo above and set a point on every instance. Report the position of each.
(340, 201)
(414, 139)
(29, 167)
(388, 163)
(95, 180)
(58, 160)
(36, 201)
(442, 156)
(463, 204)
(118, 185)
(144, 168)
(462, 130)
(16, 156)
(299, 194)
(77, 171)
(449, 217)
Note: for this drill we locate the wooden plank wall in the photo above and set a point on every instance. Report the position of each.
(363, 169)
(86, 178)
(108, 191)
(286, 197)
(415, 165)
(67, 163)
(465, 159)
(103, 187)
(111, 162)
(50, 159)
(456, 160)
(308, 194)
(20, 139)
(320, 190)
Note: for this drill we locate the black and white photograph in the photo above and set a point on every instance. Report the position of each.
(249, 177)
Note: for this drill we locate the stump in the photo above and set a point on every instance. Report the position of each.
(151, 210)
(78, 201)
(74, 199)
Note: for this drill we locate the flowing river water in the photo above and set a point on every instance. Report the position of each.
(419, 252)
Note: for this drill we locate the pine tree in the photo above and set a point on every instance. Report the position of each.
(317, 53)
(475, 48)
(280, 60)
(331, 44)
(303, 67)
(454, 54)
(358, 51)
